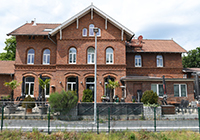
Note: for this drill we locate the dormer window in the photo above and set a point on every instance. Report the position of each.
(84, 33)
(48, 30)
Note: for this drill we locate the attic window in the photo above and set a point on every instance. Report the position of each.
(48, 30)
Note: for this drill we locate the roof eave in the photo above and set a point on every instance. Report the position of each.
(85, 11)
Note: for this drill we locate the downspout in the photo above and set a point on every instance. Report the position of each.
(51, 39)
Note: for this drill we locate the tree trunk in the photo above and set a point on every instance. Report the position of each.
(12, 95)
(43, 98)
(111, 95)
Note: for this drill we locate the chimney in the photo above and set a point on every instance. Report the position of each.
(34, 22)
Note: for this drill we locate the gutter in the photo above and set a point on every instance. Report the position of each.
(51, 39)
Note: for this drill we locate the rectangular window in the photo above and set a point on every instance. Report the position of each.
(158, 88)
(180, 90)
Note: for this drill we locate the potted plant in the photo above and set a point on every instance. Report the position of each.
(12, 85)
(28, 103)
(112, 85)
(43, 85)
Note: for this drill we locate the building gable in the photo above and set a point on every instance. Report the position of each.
(92, 11)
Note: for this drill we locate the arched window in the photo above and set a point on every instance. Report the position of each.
(99, 32)
(138, 61)
(90, 53)
(72, 56)
(109, 56)
(107, 90)
(29, 86)
(46, 56)
(71, 84)
(30, 57)
(159, 59)
(47, 87)
(90, 85)
(91, 30)
(84, 33)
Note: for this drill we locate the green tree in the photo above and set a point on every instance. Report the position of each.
(43, 85)
(112, 85)
(192, 60)
(87, 95)
(13, 85)
(10, 49)
(63, 102)
(149, 97)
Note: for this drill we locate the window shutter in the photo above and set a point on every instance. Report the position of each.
(23, 83)
(77, 85)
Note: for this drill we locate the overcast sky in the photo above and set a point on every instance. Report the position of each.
(154, 19)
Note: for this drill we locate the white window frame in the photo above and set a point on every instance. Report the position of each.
(137, 59)
(31, 55)
(29, 90)
(159, 60)
(84, 31)
(180, 90)
(71, 83)
(45, 91)
(109, 54)
(46, 56)
(157, 88)
(72, 54)
(91, 30)
(90, 55)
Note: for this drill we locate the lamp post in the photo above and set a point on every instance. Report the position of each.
(95, 75)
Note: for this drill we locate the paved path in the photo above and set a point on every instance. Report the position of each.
(42, 125)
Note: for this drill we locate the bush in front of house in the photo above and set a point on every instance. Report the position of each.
(149, 97)
(63, 102)
(87, 95)
(26, 104)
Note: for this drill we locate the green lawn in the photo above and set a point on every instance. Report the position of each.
(118, 135)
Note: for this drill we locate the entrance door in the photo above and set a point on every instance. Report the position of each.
(90, 85)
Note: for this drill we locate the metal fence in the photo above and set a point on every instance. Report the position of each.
(110, 117)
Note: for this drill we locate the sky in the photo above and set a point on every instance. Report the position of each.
(153, 19)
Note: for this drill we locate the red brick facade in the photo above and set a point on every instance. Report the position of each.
(112, 36)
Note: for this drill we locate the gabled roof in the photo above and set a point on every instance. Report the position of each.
(166, 46)
(31, 29)
(97, 11)
(7, 67)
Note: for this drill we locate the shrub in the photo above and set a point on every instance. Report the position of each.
(28, 105)
(87, 96)
(63, 102)
(149, 97)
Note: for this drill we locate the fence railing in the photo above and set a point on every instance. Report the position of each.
(110, 117)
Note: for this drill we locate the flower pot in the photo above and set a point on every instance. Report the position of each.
(29, 110)
(43, 110)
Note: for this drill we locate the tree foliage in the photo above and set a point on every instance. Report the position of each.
(12, 85)
(43, 85)
(192, 60)
(149, 97)
(112, 85)
(10, 49)
(87, 95)
(63, 102)
(26, 104)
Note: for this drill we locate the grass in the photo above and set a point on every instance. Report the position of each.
(114, 135)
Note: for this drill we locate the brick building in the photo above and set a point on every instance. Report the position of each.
(65, 54)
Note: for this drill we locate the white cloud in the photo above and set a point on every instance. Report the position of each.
(153, 19)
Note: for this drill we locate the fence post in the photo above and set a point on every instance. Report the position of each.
(108, 119)
(49, 121)
(199, 117)
(2, 117)
(97, 120)
(155, 119)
